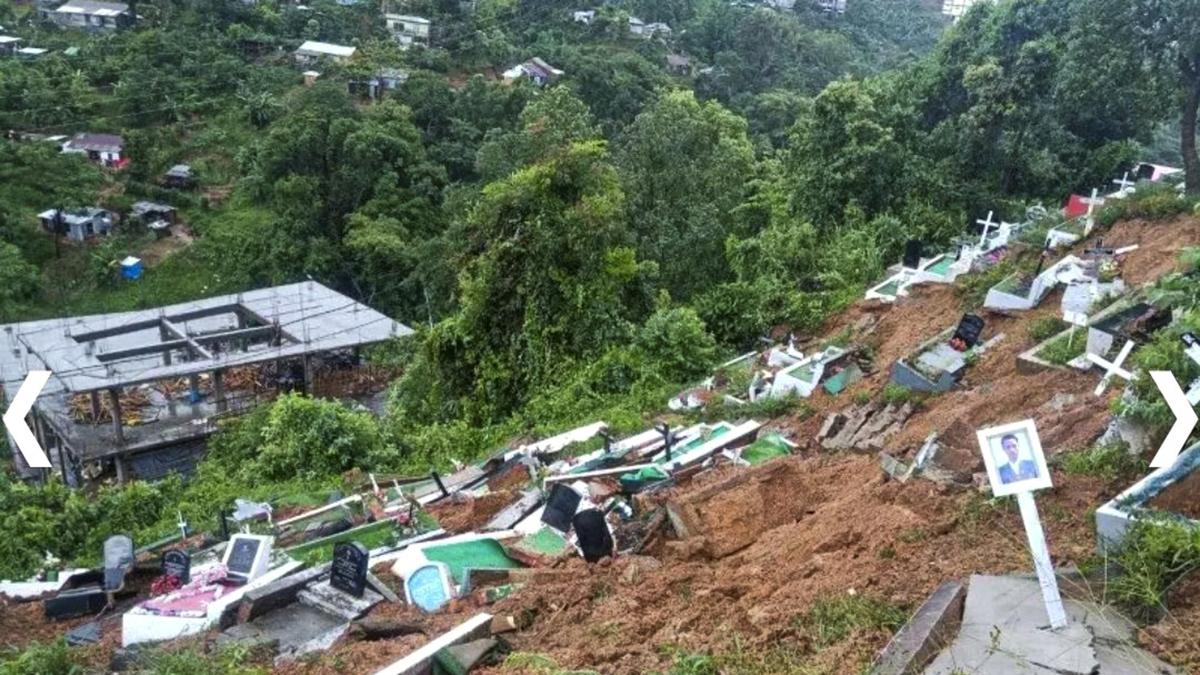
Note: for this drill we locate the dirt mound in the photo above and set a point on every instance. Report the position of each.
(1159, 245)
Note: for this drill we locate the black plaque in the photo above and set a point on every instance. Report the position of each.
(177, 563)
(561, 507)
(969, 329)
(595, 540)
(241, 558)
(348, 573)
(912, 253)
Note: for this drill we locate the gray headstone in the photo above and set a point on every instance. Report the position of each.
(241, 559)
(118, 559)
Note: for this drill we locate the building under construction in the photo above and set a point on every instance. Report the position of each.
(138, 392)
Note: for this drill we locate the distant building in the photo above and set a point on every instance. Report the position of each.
(8, 44)
(158, 218)
(538, 71)
(312, 51)
(105, 149)
(374, 88)
(91, 15)
(679, 64)
(31, 52)
(831, 6)
(657, 28)
(408, 30)
(584, 16)
(957, 8)
(637, 26)
(179, 176)
(78, 224)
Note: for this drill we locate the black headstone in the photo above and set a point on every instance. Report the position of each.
(241, 558)
(912, 253)
(561, 507)
(177, 563)
(1145, 172)
(348, 572)
(595, 540)
(969, 329)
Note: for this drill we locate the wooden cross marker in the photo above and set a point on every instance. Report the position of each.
(1112, 368)
(1092, 202)
(987, 224)
(1124, 182)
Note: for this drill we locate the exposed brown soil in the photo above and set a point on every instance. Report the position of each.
(822, 525)
(1182, 497)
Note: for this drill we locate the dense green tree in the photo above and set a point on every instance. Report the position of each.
(552, 278)
(550, 122)
(686, 168)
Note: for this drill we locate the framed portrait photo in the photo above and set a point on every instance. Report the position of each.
(1014, 459)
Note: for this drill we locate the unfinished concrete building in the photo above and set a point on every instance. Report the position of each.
(139, 392)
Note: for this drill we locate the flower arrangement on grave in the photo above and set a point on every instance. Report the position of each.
(165, 584)
(51, 566)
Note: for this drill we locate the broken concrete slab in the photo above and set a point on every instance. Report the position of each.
(279, 593)
(461, 658)
(1005, 630)
(330, 600)
(291, 632)
(420, 662)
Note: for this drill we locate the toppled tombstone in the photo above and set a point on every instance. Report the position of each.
(561, 507)
(91, 592)
(246, 510)
(864, 427)
(595, 540)
(85, 634)
(429, 586)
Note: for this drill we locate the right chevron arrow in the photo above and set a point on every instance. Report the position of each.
(1185, 418)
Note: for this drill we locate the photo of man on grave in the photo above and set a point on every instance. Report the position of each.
(1014, 459)
(1012, 466)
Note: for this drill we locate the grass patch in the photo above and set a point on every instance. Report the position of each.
(832, 620)
(1110, 462)
(895, 394)
(1064, 349)
(1046, 327)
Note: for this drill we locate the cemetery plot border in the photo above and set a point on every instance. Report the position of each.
(1114, 518)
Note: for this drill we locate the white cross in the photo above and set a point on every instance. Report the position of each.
(1124, 182)
(1113, 368)
(987, 225)
(1092, 202)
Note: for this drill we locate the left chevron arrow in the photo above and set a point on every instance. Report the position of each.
(14, 419)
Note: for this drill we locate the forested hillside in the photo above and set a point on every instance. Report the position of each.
(568, 252)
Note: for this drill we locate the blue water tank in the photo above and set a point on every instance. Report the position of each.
(131, 268)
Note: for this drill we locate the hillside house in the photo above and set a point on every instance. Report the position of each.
(158, 218)
(657, 29)
(637, 26)
(91, 15)
(374, 88)
(104, 149)
(585, 17)
(408, 30)
(140, 391)
(832, 6)
(538, 71)
(78, 224)
(679, 64)
(8, 44)
(312, 52)
(179, 177)
(31, 53)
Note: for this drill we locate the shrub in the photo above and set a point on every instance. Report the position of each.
(676, 344)
(895, 394)
(1156, 554)
(37, 659)
(315, 438)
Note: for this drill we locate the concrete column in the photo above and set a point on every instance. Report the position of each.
(218, 378)
(308, 374)
(119, 463)
(114, 400)
(96, 407)
(194, 385)
(164, 336)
